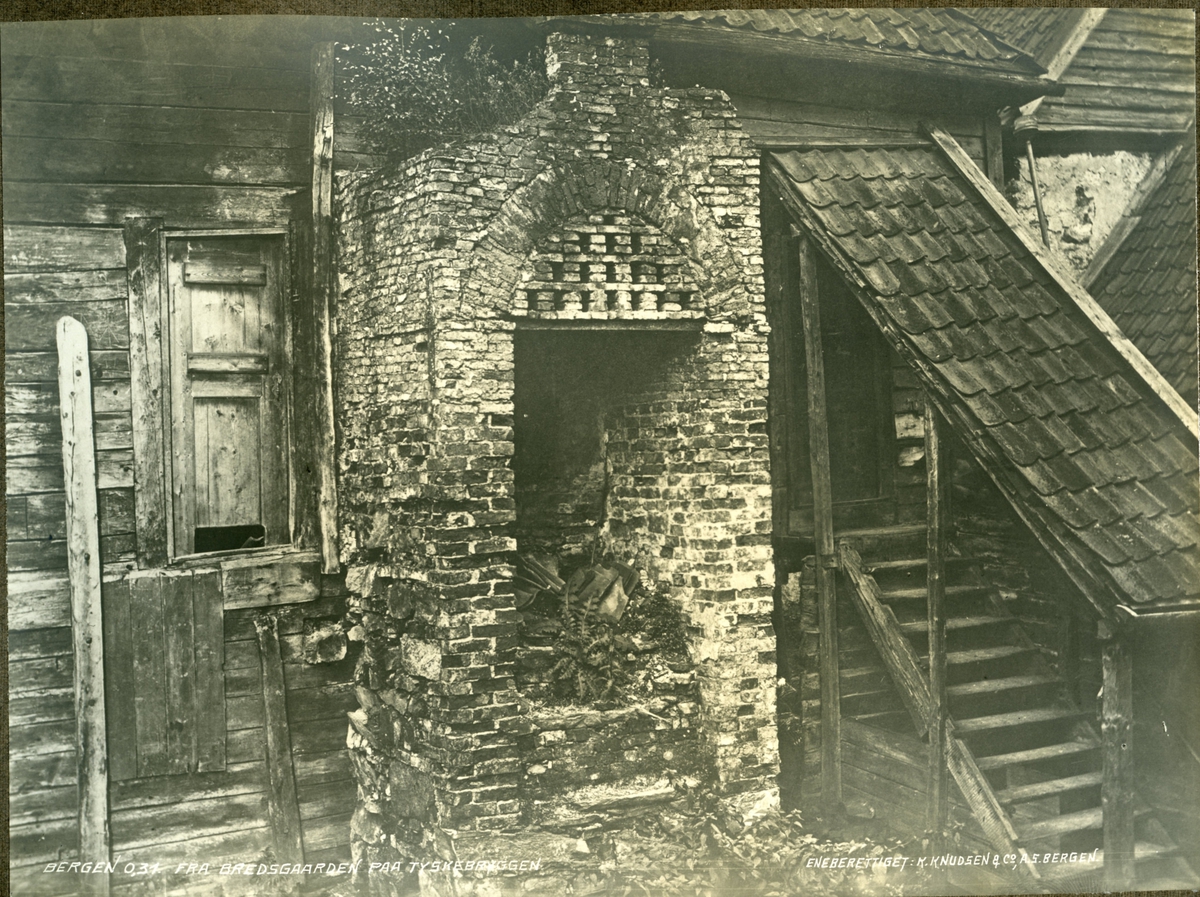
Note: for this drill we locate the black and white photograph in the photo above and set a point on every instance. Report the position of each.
(685, 453)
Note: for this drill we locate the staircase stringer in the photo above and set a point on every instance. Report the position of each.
(905, 670)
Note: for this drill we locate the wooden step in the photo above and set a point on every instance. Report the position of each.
(889, 595)
(1084, 820)
(1001, 694)
(912, 564)
(978, 724)
(1049, 752)
(886, 719)
(980, 655)
(1049, 788)
(921, 627)
(991, 686)
(913, 571)
(886, 542)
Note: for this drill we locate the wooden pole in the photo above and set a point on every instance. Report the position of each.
(283, 808)
(321, 104)
(83, 567)
(935, 571)
(1116, 785)
(818, 439)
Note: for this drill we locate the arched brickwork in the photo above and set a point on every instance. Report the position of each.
(559, 193)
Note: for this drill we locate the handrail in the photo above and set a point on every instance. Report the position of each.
(905, 669)
(898, 655)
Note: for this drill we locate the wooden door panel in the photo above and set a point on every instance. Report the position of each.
(228, 335)
(229, 449)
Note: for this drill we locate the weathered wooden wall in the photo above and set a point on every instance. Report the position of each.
(776, 123)
(1135, 75)
(204, 124)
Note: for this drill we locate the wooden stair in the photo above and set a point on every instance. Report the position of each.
(1028, 758)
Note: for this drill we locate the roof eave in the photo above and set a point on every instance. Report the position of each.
(1011, 87)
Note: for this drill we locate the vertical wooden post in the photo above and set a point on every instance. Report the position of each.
(935, 572)
(143, 260)
(1116, 786)
(993, 148)
(283, 809)
(321, 104)
(83, 566)
(1068, 654)
(818, 435)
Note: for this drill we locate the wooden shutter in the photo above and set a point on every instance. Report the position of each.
(165, 674)
(228, 388)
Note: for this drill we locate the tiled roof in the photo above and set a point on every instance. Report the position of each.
(1039, 31)
(1087, 451)
(1135, 73)
(1149, 284)
(932, 34)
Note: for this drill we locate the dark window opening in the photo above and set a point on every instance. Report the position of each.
(229, 538)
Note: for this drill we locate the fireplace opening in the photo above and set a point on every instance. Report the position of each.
(570, 393)
(594, 431)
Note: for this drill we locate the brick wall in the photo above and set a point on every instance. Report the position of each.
(615, 206)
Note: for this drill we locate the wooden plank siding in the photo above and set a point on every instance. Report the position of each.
(103, 122)
(1134, 74)
(775, 123)
(887, 772)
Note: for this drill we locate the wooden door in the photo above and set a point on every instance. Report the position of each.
(858, 397)
(228, 335)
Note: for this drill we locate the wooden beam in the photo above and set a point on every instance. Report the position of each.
(144, 264)
(818, 432)
(321, 106)
(1075, 38)
(1116, 786)
(87, 628)
(1097, 316)
(283, 809)
(937, 805)
(893, 645)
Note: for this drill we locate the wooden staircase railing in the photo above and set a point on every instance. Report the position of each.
(894, 647)
(904, 667)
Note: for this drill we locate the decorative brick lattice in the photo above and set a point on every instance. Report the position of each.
(608, 265)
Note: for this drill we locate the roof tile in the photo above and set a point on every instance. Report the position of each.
(1083, 439)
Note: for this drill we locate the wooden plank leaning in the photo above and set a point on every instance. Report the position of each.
(283, 809)
(898, 655)
(83, 565)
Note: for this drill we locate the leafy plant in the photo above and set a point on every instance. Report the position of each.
(590, 667)
(418, 86)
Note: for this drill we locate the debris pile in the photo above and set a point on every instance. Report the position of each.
(599, 636)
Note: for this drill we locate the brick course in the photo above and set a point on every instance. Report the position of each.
(612, 203)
